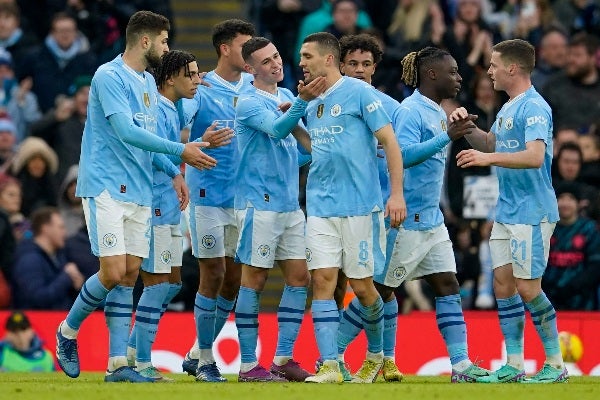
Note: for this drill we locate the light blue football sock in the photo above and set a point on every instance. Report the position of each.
(174, 288)
(246, 320)
(543, 316)
(390, 325)
(372, 317)
(326, 320)
(511, 315)
(350, 326)
(451, 323)
(204, 315)
(289, 317)
(92, 294)
(224, 308)
(118, 310)
(147, 316)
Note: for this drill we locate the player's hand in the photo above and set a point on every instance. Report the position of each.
(396, 210)
(462, 127)
(217, 137)
(313, 89)
(459, 113)
(472, 158)
(283, 107)
(183, 193)
(202, 81)
(194, 156)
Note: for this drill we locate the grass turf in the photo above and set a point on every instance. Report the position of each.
(90, 386)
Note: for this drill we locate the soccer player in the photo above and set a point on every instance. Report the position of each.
(176, 78)
(212, 220)
(115, 182)
(360, 55)
(268, 214)
(520, 145)
(345, 226)
(421, 247)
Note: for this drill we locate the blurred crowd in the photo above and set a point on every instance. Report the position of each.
(48, 53)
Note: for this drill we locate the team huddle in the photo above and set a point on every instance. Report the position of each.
(372, 202)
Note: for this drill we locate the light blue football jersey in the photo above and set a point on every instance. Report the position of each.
(215, 187)
(526, 195)
(421, 119)
(107, 162)
(343, 177)
(267, 177)
(165, 204)
(392, 108)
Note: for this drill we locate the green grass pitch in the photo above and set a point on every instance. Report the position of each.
(90, 386)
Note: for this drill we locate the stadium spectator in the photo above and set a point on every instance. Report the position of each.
(16, 98)
(590, 151)
(69, 205)
(62, 127)
(535, 17)
(573, 274)
(345, 18)
(54, 65)
(43, 278)
(34, 165)
(574, 95)
(8, 140)
(321, 18)
(578, 15)
(562, 136)
(470, 39)
(552, 57)
(569, 162)
(13, 38)
(10, 203)
(22, 350)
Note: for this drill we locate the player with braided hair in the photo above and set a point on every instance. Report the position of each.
(421, 247)
(177, 77)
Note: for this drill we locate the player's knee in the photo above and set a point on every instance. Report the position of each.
(386, 292)
(527, 289)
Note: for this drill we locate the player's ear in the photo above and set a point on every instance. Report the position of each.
(249, 69)
(431, 74)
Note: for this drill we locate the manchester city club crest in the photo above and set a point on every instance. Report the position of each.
(165, 257)
(208, 241)
(399, 273)
(336, 110)
(443, 124)
(263, 250)
(109, 240)
(146, 99)
(509, 123)
(308, 254)
(320, 109)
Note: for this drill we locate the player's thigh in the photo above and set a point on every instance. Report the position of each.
(440, 257)
(529, 248)
(292, 242)
(207, 229)
(163, 250)
(323, 243)
(363, 241)
(105, 219)
(405, 251)
(137, 226)
(258, 238)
